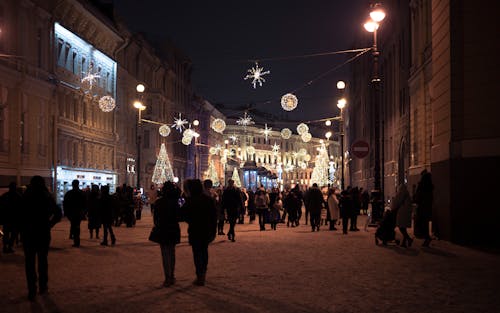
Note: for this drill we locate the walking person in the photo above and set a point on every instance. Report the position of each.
(94, 211)
(424, 199)
(402, 206)
(166, 218)
(356, 208)
(231, 202)
(108, 205)
(345, 204)
(74, 206)
(315, 201)
(262, 206)
(333, 207)
(201, 217)
(251, 206)
(40, 213)
(10, 203)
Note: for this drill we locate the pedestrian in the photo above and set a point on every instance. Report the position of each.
(74, 206)
(365, 199)
(243, 207)
(94, 211)
(166, 219)
(423, 200)
(314, 202)
(275, 207)
(333, 207)
(221, 215)
(231, 202)
(10, 203)
(262, 206)
(356, 208)
(402, 206)
(201, 216)
(251, 206)
(40, 213)
(108, 205)
(345, 204)
(292, 205)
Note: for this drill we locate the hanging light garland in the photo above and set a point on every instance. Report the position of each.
(286, 133)
(164, 130)
(218, 125)
(289, 102)
(107, 104)
(306, 137)
(302, 128)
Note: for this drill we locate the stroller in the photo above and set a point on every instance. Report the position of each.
(385, 231)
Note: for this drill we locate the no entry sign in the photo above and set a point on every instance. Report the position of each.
(360, 149)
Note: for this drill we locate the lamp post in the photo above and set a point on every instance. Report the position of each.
(341, 105)
(140, 107)
(372, 25)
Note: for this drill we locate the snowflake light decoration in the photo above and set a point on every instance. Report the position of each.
(164, 130)
(233, 138)
(179, 123)
(91, 77)
(306, 137)
(302, 128)
(289, 102)
(218, 125)
(266, 131)
(275, 148)
(245, 121)
(256, 73)
(107, 104)
(286, 133)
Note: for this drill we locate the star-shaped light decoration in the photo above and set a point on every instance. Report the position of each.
(275, 148)
(266, 131)
(179, 123)
(233, 138)
(256, 73)
(245, 121)
(90, 77)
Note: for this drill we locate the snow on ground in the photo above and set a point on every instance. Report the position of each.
(288, 270)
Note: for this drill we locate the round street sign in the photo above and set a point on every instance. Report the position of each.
(360, 149)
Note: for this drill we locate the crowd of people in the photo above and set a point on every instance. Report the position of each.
(206, 209)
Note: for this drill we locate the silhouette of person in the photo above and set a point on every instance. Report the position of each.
(74, 206)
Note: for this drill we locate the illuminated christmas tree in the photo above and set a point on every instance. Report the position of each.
(321, 166)
(236, 178)
(163, 170)
(211, 174)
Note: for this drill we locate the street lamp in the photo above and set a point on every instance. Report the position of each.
(140, 107)
(341, 105)
(372, 25)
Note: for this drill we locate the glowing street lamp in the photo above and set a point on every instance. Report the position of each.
(140, 107)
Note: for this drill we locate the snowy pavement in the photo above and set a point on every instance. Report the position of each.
(287, 270)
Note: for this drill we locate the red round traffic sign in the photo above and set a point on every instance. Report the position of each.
(360, 149)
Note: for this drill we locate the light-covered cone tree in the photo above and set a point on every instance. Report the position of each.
(236, 178)
(321, 166)
(211, 174)
(163, 169)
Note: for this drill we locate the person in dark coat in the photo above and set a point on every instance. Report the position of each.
(251, 205)
(356, 208)
(107, 205)
(10, 203)
(424, 199)
(345, 209)
(93, 211)
(200, 212)
(231, 202)
(292, 205)
(166, 218)
(74, 206)
(315, 204)
(40, 213)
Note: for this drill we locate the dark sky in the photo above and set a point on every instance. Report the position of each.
(220, 36)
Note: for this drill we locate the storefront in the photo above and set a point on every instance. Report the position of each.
(86, 177)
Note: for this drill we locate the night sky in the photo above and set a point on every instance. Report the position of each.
(220, 37)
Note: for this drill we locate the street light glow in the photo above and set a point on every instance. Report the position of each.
(328, 135)
(140, 88)
(328, 123)
(340, 84)
(341, 103)
(371, 26)
(377, 15)
(138, 105)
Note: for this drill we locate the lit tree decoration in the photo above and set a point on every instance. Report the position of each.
(236, 178)
(289, 102)
(321, 167)
(275, 148)
(250, 150)
(256, 73)
(211, 173)
(163, 170)
(302, 128)
(90, 77)
(306, 137)
(179, 123)
(218, 125)
(164, 130)
(107, 104)
(233, 138)
(245, 121)
(286, 133)
(266, 131)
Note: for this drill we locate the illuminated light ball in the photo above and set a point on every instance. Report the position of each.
(176, 179)
(164, 130)
(302, 151)
(289, 102)
(188, 133)
(250, 150)
(107, 104)
(302, 128)
(223, 160)
(307, 158)
(212, 150)
(187, 140)
(286, 133)
(306, 137)
(218, 125)
(328, 123)
(303, 165)
(196, 122)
